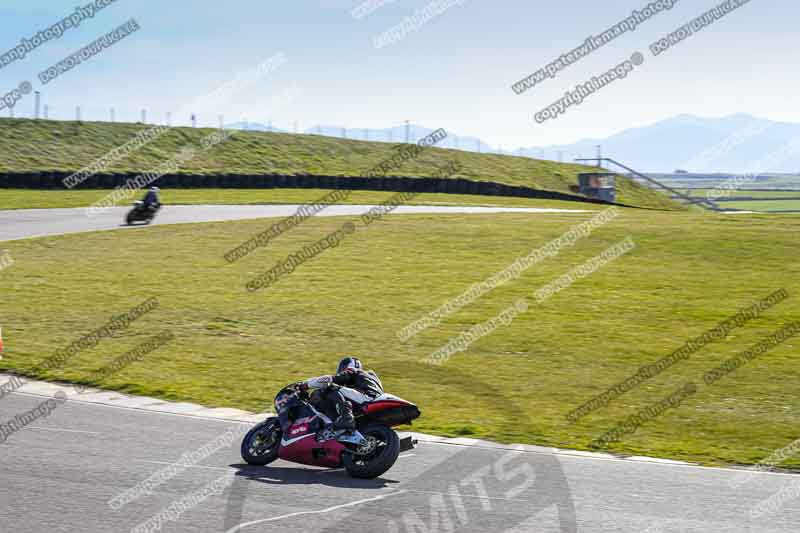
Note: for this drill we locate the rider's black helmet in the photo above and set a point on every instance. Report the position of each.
(348, 362)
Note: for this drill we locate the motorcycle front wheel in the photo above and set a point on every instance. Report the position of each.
(377, 457)
(261, 444)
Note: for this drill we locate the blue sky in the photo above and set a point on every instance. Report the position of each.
(453, 72)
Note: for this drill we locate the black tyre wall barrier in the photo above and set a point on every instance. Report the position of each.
(54, 180)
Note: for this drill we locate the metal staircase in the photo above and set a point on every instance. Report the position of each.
(703, 202)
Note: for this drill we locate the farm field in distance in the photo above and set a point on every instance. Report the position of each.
(747, 193)
(753, 200)
(764, 206)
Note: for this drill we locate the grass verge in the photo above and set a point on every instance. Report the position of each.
(235, 348)
(35, 199)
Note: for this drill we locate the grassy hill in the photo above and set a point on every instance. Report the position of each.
(43, 145)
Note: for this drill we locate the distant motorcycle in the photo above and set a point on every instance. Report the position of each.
(367, 452)
(141, 213)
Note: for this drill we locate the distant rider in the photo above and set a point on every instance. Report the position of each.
(151, 199)
(332, 394)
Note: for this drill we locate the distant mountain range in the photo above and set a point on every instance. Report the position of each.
(733, 144)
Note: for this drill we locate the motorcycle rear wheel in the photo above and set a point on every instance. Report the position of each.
(261, 444)
(377, 461)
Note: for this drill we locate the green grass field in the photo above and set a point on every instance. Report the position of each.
(738, 193)
(234, 348)
(778, 200)
(42, 146)
(35, 199)
(765, 206)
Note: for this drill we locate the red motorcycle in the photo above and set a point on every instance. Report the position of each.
(367, 452)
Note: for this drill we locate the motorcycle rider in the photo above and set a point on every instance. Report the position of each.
(332, 394)
(151, 200)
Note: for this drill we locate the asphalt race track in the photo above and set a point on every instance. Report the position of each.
(60, 472)
(25, 223)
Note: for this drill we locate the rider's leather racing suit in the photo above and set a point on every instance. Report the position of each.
(151, 200)
(333, 394)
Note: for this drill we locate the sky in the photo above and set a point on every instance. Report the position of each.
(453, 71)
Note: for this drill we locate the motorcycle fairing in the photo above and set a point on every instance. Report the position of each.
(300, 445)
